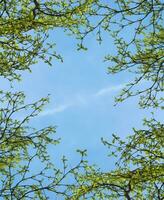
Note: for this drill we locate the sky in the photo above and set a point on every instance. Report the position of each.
(82, 99)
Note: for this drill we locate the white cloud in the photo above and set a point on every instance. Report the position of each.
(108, 90)
(79, 100)
(57, 109)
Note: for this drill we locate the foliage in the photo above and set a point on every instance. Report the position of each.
(23, 147)
(147, 62)
(24, 29)
(138, 173)
(136, 27)
(16, 136)
(139, 170)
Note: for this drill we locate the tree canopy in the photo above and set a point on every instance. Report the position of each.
(139, 169)
(24, 29)
(141, 52)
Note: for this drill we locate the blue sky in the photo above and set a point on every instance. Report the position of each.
(82, 98)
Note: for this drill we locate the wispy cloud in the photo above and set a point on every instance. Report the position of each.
(79, 100)
(109, 90)
(57, 109)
